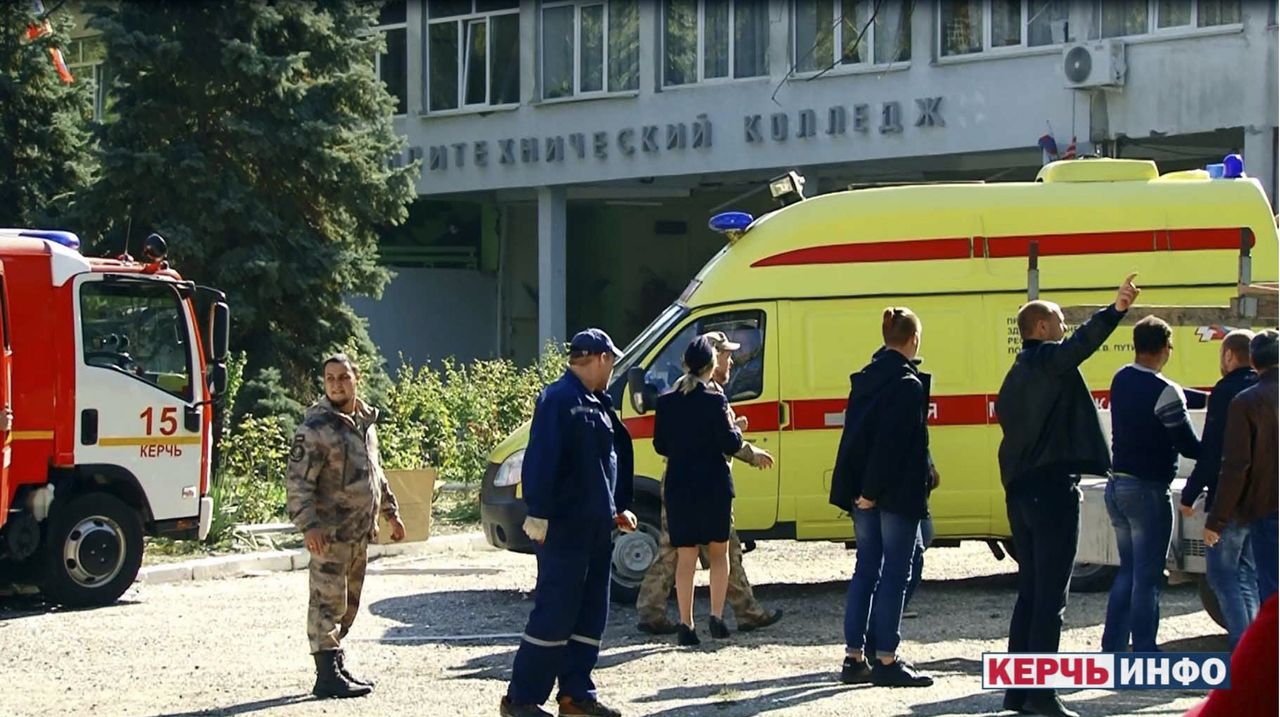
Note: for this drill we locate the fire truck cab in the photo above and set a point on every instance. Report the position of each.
(117, 368)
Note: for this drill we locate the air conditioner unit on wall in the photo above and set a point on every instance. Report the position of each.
(1098, 63)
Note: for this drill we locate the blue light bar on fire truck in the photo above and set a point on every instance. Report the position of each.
(67, 239)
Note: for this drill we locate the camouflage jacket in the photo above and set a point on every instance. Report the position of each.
(335, 480)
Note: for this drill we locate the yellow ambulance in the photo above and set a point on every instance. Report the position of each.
(803, 287)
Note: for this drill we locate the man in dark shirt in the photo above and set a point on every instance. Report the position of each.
(1229, 565)
(1150, 428)
(1051, 436)
(1247, 485)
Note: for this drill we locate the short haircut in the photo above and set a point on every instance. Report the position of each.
(1151, 335)
(343, 359)
(1032, 313)
(576, 357)
(1236, 343)
(1263, 349)
(898, 325)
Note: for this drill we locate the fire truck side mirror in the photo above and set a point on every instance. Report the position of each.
(218, 379)
(220, 333)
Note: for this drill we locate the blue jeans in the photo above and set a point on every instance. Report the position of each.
(923, 539)
(886, 545)
(1142, 514)
(1263, 535)
(1229, 568)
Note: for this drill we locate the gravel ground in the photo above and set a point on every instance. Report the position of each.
(237, 646)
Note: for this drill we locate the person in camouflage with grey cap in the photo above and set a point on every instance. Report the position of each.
(336, 490)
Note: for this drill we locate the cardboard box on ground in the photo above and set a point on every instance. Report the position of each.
(413, 489)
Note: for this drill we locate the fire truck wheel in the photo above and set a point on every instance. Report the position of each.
(93, 551)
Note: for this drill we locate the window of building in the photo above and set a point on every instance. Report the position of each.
(590, 47)
(850, 32)
(392, 64)
(714, 39)
(1136, 17)
(970, 26)
(86, 58)
(473, 53)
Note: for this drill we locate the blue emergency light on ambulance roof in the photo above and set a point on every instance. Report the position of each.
(67, 239)
(726, 222)
(1216, 171)
(1233, 166)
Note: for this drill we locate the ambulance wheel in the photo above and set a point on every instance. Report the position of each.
(1209, 600)
(1091, 578)
(633, 553)
(92, 552)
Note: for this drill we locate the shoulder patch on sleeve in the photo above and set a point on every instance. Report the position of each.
(298, 451)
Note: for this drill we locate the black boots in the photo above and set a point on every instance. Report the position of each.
(331, 682)
(342, 669)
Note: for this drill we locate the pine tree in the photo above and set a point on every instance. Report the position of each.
(44, 135)
(257, 139)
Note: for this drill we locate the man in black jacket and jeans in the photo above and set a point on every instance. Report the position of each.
(1051, 436)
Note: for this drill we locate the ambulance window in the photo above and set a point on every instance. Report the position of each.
(746, 379)
(138, 329)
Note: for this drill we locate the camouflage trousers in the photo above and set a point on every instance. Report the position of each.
(651, 603)
(336, 579)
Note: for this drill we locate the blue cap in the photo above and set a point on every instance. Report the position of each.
(700, 354)
(593, 341)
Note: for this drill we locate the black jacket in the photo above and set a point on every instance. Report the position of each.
(1048, 416)
(1205, 474)
(695, 434)
(884, 448)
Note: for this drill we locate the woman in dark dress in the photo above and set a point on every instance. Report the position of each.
(695, 433)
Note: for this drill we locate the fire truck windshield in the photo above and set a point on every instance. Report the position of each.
(138, 328)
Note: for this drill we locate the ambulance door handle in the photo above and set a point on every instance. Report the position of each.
(783, 415)
(89, 426)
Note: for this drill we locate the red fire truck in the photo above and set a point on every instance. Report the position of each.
(117, 367)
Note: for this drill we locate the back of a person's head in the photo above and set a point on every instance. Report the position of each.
(1030, 316)
(898, 325)
(1264, 349)
(1151, 335)
(1237, 343)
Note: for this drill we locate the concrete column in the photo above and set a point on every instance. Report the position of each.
(650, 40)
(1260, 159)
(551, 265)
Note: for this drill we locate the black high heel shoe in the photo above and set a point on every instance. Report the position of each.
(687, 636)
(718, 629)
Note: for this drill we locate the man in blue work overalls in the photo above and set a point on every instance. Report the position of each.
(577, 488)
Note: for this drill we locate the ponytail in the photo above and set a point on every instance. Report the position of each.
(898, 325)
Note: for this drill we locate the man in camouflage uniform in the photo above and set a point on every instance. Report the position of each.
(336, 489)
(651, 603)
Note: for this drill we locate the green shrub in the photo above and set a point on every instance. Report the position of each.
(452, 418)
(449, 418)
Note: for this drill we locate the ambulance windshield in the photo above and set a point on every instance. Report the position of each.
(640, 345)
